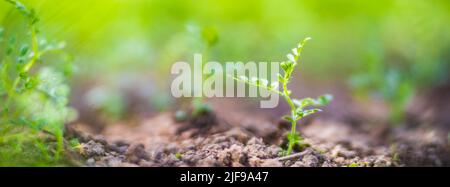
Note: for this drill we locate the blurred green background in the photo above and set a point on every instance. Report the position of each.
(373, 46)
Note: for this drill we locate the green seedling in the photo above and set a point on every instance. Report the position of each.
(178, 155)
(377, 79)
(300, 108)
(209, 38)
(205, 39)
(181, 116)
(80, 148)
(74, 142)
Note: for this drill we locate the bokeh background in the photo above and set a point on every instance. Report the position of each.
(387, 50)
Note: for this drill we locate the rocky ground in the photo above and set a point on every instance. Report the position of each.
(349, 133)
(159, 142)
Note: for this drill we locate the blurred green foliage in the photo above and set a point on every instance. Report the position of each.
(114, 36)
(119, 35)
(387, 48)
(34, 94)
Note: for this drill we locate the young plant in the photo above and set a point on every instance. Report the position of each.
(204, 38)
(380, 80)
(209, 38)
(34, 97)
(299, 107)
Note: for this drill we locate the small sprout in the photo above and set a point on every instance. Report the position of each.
(80, 148)
(178, 155)
(11, 45)
(180, 116)
(353, 165)
(299, 108)
(207, 37)
(201, 108)
(395, 157)
(74, 142)
(294, 51)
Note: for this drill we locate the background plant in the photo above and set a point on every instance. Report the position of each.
(396, 80)
(202, 39)
(393, 85)
(34, 94)
(299, 107)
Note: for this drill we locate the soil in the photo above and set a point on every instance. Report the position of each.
(240, 134)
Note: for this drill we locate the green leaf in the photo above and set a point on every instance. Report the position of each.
(281, 78)
(23, 50)
(178, 155)
(325, 99)
(287, 66)
(291, 58)
(201, 108)
(52, 84)
(304, 113)
(288, 118)
(20, 6)
(20, 60)
(210, 36)
(304, 102)
(30, 14)
(74, 142)
(33, 16)
(295, 52)
(284, 66)
(320, 101)
(181, 115)
(23, 75)
(261, 83)
(31, 83)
